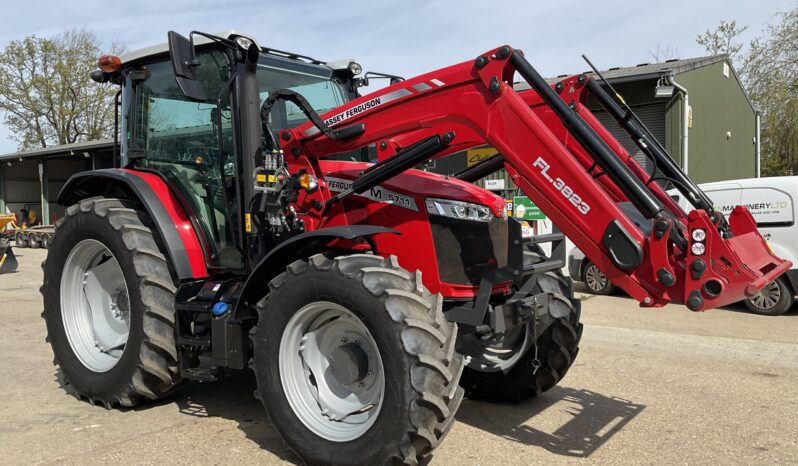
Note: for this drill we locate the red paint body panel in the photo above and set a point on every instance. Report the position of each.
(414, 247)
(182, 223)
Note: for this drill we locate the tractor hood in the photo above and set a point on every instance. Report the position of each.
(418, 183)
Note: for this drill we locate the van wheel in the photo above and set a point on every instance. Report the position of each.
(595, 280)
(773, 300)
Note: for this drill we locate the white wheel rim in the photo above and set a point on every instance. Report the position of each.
(496, 352)
(595, 278)
(95, 306)
(320, 337)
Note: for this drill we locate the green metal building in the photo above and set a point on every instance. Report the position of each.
(720, 120)
(32, 179)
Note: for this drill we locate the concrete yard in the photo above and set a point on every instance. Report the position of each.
(661, 386)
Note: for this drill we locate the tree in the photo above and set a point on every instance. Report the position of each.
(725, 39)
(768, 69)
(46, 94)
(773, 85)
(664, 53)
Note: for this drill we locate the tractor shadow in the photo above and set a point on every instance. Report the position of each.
(232, 398)
(576, 423)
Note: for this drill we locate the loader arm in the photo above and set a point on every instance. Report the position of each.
(564, 160)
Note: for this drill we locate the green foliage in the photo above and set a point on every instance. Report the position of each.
(768, 69)
(46, 94)
(773, 85)
(725, 39)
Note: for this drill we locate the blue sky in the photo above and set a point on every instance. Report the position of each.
(408, 37)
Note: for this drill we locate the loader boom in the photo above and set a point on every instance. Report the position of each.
(556, 152)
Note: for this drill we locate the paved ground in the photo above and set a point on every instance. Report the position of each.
(659, 386)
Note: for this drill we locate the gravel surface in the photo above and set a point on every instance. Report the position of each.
(653, 386)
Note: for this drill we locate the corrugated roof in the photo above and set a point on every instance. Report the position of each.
(66, 149)
(645, 70)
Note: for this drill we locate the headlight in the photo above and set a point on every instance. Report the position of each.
(355, 68)
(459, 210)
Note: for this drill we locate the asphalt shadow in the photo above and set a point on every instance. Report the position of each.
(582, 420)
(586, 419)
(232, 398)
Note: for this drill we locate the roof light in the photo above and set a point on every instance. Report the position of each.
(109, 63)
(348, 64)
(244, 42)
(355, 68)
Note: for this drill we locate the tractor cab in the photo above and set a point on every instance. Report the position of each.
(192, 138)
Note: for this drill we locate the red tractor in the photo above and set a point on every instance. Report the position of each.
(247, 226)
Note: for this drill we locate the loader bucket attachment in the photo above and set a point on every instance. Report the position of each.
(702, 259)
(8, 262)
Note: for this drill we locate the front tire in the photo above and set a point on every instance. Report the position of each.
(774, 299)
(509, 373)
(365, 314)
(108, 305)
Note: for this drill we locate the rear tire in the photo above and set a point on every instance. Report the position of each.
(413, 341)
(146, 367)
(558, 346)
(775, 299)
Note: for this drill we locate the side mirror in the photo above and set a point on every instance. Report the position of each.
(181, 51)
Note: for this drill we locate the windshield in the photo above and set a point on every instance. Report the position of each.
(314, 83)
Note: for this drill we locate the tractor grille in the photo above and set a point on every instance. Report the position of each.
(465, 250)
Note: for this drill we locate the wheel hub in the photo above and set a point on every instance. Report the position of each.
(349, 364)
(333, 379)
(95, 307)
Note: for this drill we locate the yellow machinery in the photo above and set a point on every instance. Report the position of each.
(8, 262)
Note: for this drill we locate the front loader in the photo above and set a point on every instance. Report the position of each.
(8, 261)
(246, 226)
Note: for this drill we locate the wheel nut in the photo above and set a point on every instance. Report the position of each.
(344, 339)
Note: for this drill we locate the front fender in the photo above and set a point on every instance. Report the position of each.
(299, 247)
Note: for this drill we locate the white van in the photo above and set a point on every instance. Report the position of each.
(772, 202)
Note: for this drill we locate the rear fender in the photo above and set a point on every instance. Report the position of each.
(167, 214)
(299, 247)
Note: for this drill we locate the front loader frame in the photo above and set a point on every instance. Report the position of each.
(473, 103)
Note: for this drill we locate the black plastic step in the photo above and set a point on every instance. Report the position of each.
(196, 373)
(194, 341)
(196, 306)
